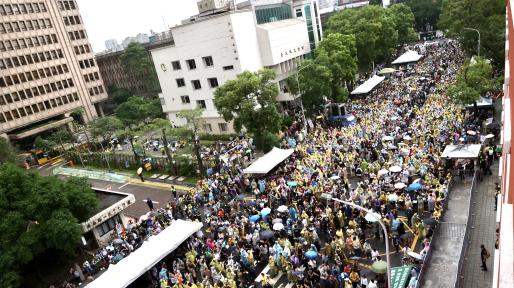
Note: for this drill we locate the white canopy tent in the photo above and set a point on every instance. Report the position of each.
(408, 57)
(367, 86)
(465, 151)
(143, 259)
(267, 162)
(482, 102)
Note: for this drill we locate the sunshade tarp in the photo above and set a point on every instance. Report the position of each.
(469, 151)
(482, 102)
(143, 259)
(367, 86)
(408, 57)
(267, 162)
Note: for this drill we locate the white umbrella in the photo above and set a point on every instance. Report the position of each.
(461, 139)
(282, 208)
(405, 151)
(382, 172)
(470, 132)
(489, 136)
(394, 118)
(335, 177)
(372, 217)
(393, 197)
(387, 138)
(392, 147)
(407, 138)
(400, 185)
(395, 169)
(278, 226)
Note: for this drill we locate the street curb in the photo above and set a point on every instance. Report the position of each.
(161, 185)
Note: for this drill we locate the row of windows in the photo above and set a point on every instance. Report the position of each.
(191, 63)
(22, 43)
(36, 91)
(22, 60)
(108, 225)
(36, 108)
(86, 63)
(77, 35)
(91, 77)
(82, 49)
(96, 90)
(33, 75)
(196, 84)
(66, 5)
(222, 126)
(27, 25)
(22, 8)
(72, 20)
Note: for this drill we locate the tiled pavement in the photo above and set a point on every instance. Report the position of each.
(484, 232)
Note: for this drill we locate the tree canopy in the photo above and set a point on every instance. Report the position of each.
(474, 79)
(136, 61)
(7, 152)
(486, 16)
(374, 29)
(105, 127)
(426, 12)
(38, 214)
(137, 110)
(193, 123)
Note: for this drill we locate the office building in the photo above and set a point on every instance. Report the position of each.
(112, 45)
(47, 67)
(210, 49)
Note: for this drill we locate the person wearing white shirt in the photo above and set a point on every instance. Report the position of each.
(364, 281)
(372, 284)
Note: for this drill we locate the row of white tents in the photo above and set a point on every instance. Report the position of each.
(410, 56)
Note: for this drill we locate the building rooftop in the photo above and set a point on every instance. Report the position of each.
(109, 204)
(280, 24)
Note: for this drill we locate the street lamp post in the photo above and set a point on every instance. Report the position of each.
(478, 32)
(329, 197)
(301, 102)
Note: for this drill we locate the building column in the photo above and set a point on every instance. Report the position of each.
(100, 109)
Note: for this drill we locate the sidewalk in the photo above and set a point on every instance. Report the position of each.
(484, 232)
(442, 268)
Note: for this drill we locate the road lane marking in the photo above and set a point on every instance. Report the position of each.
(154, 202)
(124, 185)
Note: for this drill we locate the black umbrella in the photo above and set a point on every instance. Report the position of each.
(267, 234)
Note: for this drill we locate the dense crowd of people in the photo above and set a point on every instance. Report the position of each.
(282, 222)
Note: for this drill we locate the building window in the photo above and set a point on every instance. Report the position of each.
(230, 67)
(176, 65)
(213, 82)
(163, 101)
(223, 127)
(108, 225)
(207, 127)
(196, 84)
(191, 64)
(185, 99)
(201, 104)
(180, 82)
(299, 13)
(207, 61)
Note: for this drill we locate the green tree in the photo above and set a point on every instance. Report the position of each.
(374, 29)
(105, 127)
(137, 110)
(7, 152)
(43, 144)
(194, 122)
(120, 96)
(60, 137)
(474, 79)
(136, 61)
(404, 23)
(250, 101)
(426, 12)
(315, 80)
(162, 126)
(486, 16)
(375, 2)
(38, 214)
(341, 58)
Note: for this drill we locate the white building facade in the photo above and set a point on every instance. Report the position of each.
(210, 50)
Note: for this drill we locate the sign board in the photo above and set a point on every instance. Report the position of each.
(399, 276)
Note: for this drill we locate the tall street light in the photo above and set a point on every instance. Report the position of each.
(374, 214)
(301, 102)
(478, 32)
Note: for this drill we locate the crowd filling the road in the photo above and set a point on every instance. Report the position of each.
(278, 227)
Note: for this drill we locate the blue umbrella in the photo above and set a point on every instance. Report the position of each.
(292, 183)
(255, 218)
(265, 211)
(311, 254)
(414, 187)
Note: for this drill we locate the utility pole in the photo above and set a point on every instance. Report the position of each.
(386, 236)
